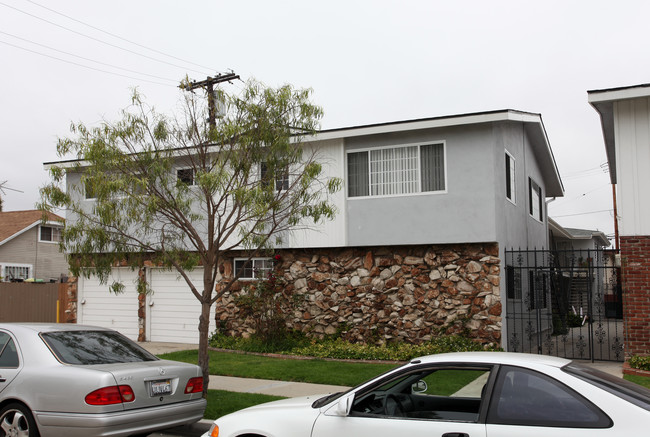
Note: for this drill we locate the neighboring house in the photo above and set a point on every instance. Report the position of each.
(625, 119)
(29, 248)
(579, 240)
(427, 210)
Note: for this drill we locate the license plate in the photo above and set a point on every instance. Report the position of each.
(161, 387)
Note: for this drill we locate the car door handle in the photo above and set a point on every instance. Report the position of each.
(455, 434)
(2, 379)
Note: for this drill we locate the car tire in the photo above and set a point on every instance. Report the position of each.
(16, 419)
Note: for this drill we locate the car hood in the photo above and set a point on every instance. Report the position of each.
(286, 417)
(290, 403)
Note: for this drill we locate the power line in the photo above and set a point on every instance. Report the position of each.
(117, 36)
(583, 213)
(81, 65)
(97, 39)
(87, 59)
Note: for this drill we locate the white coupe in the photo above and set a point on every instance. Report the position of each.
(473, 394)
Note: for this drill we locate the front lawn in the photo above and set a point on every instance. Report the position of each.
(316, 371)
(222, 402)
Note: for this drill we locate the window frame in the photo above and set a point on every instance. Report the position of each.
(511, 178)
(3, 349)
(4, 266)
(281, 181)
(536, 202)
(417, 168)
(192, 171)
(89, 193)
(53, 228)
(604, 421)
(252, 267)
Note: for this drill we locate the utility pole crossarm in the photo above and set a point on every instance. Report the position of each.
(209, 85)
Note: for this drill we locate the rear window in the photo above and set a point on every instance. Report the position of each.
(634, 393)
(95, 347)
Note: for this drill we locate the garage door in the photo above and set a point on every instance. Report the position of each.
(172, 310)
(98, 306)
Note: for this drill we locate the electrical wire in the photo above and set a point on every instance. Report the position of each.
(88, 59)
(81, 65)
(119, 37)
(98, 40)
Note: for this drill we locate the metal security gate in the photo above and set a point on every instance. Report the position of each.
(566, 303)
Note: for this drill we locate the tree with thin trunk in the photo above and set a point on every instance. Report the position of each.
(183, 192)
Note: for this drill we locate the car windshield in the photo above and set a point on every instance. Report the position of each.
(629, 391)
(94, 347)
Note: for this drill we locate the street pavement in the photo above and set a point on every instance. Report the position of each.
(278, 388)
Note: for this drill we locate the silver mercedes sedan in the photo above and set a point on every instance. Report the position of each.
(66, 380)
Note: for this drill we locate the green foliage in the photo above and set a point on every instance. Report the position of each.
(289, 341)
(267, 302)
(128, 169)
(638, 362)
(341, 349)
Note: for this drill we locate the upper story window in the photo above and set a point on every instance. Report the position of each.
(281, 178)
(511, 191)
(535, 207)
(89, 191)
(256, 268)
(396, 170)
(50, 233)
(185, 176)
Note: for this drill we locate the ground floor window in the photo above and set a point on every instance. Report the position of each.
(256, 268)
(15, 272)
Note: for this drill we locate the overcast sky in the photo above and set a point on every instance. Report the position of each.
(367, 61)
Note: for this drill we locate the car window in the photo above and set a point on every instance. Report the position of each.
(94, 347)
(8, 352)
(450, 394)
(634, 393)
(528, 398)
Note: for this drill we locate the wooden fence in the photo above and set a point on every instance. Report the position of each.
(32, 302)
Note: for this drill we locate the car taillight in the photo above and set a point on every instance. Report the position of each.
(194, 385)
(111, 395)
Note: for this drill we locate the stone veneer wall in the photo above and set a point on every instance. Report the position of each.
(635, 254)
(406, 293)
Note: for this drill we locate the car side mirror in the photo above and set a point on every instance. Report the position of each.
(419, 387)
(342, 407)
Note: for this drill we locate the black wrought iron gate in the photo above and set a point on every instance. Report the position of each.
(566, 303)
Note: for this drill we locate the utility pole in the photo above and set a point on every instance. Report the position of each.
(209, 85)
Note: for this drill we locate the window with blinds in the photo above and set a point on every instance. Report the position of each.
(396, 171)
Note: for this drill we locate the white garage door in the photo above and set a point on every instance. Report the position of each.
(98, 306)
(172, 310)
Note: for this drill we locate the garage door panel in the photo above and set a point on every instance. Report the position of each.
(99, 307)
(173, 311)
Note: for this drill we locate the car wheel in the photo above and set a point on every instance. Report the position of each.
(16, 420)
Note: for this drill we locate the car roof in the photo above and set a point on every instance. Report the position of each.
(511, 358)
(49, 327)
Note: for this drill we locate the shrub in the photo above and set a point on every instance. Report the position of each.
(641, 363)
(298, 344)
(266, 303)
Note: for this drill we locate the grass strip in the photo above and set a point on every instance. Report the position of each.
(222, 402)
(316, 371)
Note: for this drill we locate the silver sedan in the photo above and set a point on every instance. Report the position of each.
(72, 380)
